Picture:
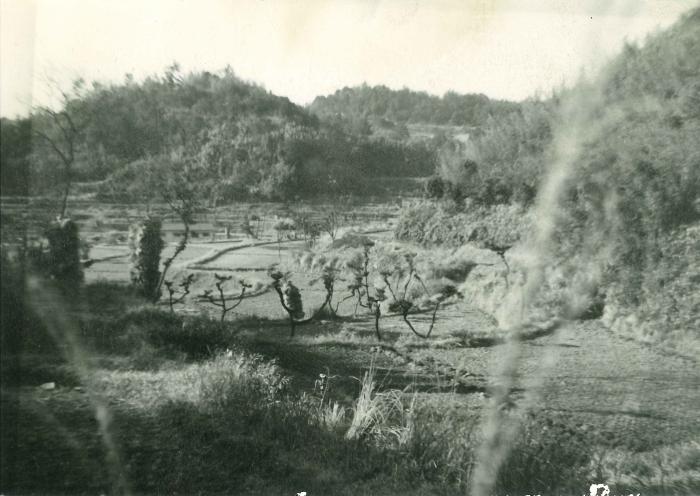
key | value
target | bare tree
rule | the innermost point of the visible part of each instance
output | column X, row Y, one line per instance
column 172, row 291
column 331, row 224
column 221, row 300
column 61, row 131
column 177, row 184
column 360, row 287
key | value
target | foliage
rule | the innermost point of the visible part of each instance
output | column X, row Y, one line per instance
column 309, row 228
column 633, row 199
column 662, row 306
column 328, row 269
column 624, row 224
column 398, row 272
column 289, row 297
column 15, row 150
column 240, row 382
column 434, row 188
column 358, row 267
column 386, row 106
column 64, row 252
column 250, row 143
column 170, row 334
column 146, row 244
column 428, row 223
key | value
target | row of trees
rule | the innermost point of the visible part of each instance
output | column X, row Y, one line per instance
column 397, row 284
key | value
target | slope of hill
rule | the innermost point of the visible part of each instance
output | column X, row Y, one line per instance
column 620, row 156
column 243, row 141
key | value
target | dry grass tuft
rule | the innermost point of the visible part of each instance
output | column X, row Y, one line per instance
column 381, row 415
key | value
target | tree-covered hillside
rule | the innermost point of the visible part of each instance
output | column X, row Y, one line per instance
column 379, row 103
column 243, row 141
column 614, row 165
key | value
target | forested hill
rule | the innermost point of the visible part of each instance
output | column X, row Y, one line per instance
column 243, row 141
column 627, row 223
column 406, row 106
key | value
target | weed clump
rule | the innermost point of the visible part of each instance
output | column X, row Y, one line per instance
column 381, row 415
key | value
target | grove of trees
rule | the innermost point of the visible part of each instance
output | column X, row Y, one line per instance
column 247, row 142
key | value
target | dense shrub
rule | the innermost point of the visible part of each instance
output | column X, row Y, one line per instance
column 663, row 306
column 240, row 383
column 167, row 334
column 64, row 252
column 434, row 188
column 431, row 224
column 146, row 245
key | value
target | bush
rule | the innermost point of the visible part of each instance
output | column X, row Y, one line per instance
column 175, row 336
column 240, row 382
column 434, row 188
column 146, row 246
column 64, row 252
column 430, row 224
column 662, row 306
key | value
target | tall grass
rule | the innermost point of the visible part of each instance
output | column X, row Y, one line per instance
column 381, row 415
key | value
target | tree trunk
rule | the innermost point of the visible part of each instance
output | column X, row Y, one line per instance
column 377, row 313
column 64, row 202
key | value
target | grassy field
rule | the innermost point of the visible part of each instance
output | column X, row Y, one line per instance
column 108, row 394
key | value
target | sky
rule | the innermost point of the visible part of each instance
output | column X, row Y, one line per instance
column 510, row 49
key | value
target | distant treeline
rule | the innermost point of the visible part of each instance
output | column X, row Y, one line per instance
column 245, row 141
column 407, row 106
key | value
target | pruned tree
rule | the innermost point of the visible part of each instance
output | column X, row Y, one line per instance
column 403, row 305
column 184, row 289
column 359, row 287
column 500, row 250
column 398, row 273
column 289, row 296
column 329, row 271
column 220, row 299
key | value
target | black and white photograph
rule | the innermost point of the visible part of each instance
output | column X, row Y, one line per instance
column 350, row 247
